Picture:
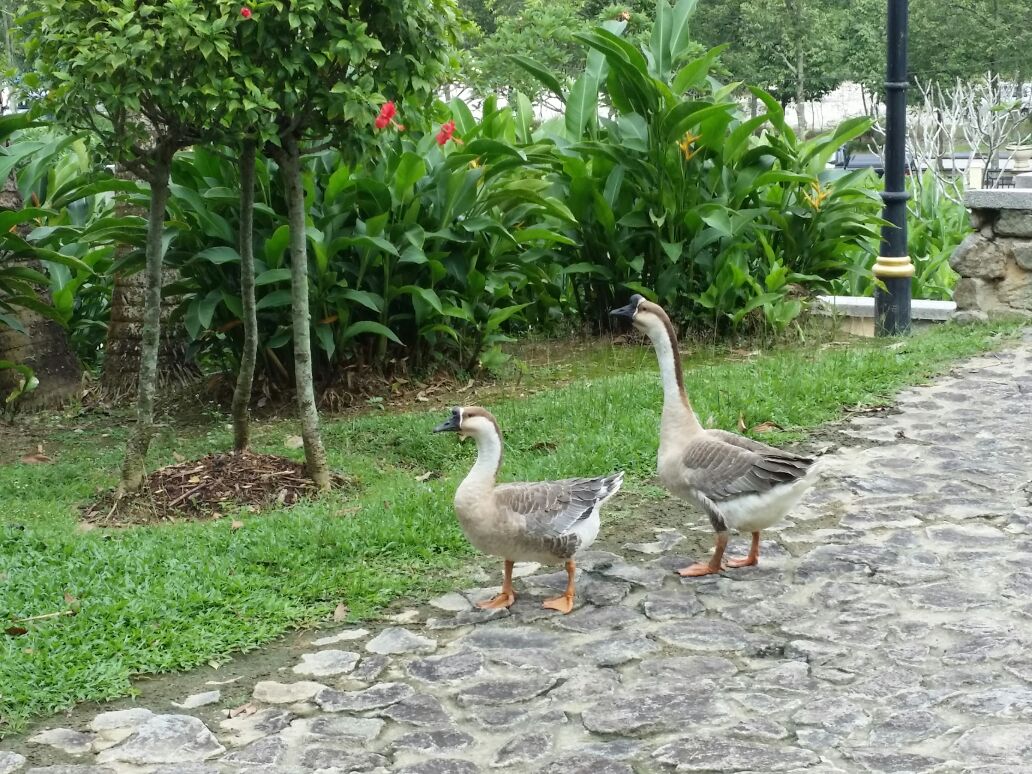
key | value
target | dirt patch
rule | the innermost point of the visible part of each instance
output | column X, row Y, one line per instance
column 200, row 489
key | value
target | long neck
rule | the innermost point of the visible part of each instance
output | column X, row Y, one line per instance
column 676, row 408
column 489, row 457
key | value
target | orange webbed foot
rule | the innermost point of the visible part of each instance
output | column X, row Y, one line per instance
column 698, row 569
column 503, row 600
column 563, row 604
column 746, row 561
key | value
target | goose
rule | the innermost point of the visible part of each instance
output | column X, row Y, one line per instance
column 549, row 522
column 737, row 482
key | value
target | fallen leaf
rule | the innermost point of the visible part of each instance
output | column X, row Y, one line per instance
column 225, row 682
column 421, row 397
column 766, row 427
column 468, row 385
column 178, row 457
column 281, row 498
column 237, row 524
column 294, row 442
column 194, row 480
column 425, row 476
column 16, row 631
column 36, row 458
column 243, row 709
column 741, row 423
column 340, row 612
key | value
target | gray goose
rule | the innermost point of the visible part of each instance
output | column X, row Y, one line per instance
column 549, row 522
column 737, row 482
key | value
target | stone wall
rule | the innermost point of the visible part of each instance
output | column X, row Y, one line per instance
column 995, row 262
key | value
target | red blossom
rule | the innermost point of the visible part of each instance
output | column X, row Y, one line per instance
column 245, row 12
column 386, row 117
column 388, row 110
column 447, row 130
column 381, row 122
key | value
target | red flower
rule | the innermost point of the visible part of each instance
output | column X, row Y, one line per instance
column 386, row 117
column 388, row 110
column 381, row 122
column 245, row 12
column 447, row 130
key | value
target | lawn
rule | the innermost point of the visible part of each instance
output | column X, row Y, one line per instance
column 157, row 599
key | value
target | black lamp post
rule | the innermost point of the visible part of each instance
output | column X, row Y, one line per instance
column 893, row 267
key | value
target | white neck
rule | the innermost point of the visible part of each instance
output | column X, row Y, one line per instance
column 489, row 458
column 677, row 411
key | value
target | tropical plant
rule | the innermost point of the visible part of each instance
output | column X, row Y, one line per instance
column 420, row 257
column 680, row 195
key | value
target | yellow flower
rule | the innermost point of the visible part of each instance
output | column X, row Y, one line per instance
column 686, row 144
column 819, row 195
column 475, row 163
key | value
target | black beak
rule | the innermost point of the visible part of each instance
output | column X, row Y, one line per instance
column 625, row 311
column 449, row 426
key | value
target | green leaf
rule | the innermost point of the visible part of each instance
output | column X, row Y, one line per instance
column 324, row 333
column 693, row 74
column 369, row 326
column 498, row 316
column 410, row 170
column 426, row 294
column 582, row 106
column 338, row 182
column 271, row 276
column 365, row 298
column 680, row 33
column 276, row 245
column 465, row 123
column 524, row 113
column 546, row 78
column 219, row 255
column 660, row 44
column 274, row 300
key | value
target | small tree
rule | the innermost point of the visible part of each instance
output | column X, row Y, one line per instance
column 334, row 63
column 145, row 78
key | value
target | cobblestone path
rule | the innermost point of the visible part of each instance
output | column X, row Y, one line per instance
column 888, row 629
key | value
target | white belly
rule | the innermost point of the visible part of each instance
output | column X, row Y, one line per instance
column 755, row 512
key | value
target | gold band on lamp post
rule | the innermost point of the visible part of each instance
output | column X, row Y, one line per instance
column 893, row 266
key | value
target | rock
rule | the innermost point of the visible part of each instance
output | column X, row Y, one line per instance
column 10, row 761
column 523, row 749
column 537, row 659
column 199, row 700
column 370, row 668
column 978, row 257
column 666, row 606
column 970, row 317
column 833, row 714
column 1016, row 223
column 703, row 754
column 905, row 728
column 650, row 708
column 505, row 690
column 666, row 539
column 688, row 668
column 420, row 709
column 380, row 695
column 127, row 718
column 405, row 617
column 510, row 638
column 246, row 728
column 760, row 728
column 70, row 769
column 705, row 634
column 433, row 742
column 398, row 640
column 271, row 692
column 452, row 602
column 439, row 766
column 999, row 740
column 492, row 718
column 190, row 768
column 618, row 649
column 584, row 685
column 348, row 761
column 466, row 618
column 326, row 663
column 887, row 762
column 440, row 669
column 64, row 739
column 268, row 751
column 647, row 577
column 593, row 619
column 345, row 636
column 341, row 726
column 578, row 763
column 165, row 739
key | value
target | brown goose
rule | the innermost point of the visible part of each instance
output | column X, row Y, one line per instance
column 545, row 521
column 736, row 481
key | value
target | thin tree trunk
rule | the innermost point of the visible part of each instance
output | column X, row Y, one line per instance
column 245, row 379
column 315, row 453
column 139, row 440
column 800, row 99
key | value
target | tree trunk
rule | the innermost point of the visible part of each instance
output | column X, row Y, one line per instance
column 43, row 347
column 315, row 453
column 139, row 440
column 245, row 379
column 800, row 99
column 122, row 348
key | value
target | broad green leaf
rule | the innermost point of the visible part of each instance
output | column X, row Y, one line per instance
column 369, row 326
column 274, row 300
column 365, row 298
column 271, row 276
column 546, row 78
column 219, row 255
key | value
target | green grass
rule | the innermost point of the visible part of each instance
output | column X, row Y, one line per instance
column 156, row 599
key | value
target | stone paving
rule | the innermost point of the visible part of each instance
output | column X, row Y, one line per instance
column 887, row 629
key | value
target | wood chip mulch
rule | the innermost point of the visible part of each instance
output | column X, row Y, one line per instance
column 203, row 489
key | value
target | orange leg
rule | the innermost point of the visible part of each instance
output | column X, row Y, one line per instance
column 753, row 557
column 564, row 604
column 507, row 597
column 708, row 568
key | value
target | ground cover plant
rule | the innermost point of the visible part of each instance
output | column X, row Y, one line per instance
column 154, row 599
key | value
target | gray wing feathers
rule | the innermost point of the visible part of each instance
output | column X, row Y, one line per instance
column 722, row 469
column 551, row 509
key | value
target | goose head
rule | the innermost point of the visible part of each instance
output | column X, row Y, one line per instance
column 469, row 422
column 647, row 317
